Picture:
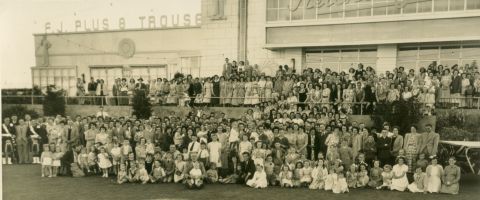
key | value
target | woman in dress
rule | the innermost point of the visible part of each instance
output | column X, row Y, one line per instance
column 411, row 146
column 239, row 92
column 261, row 89
column 445, row 82
column 399, row 180
column 207, row 91
column 223, row 90
column 228, row 91
column 254, row 92
column 393, row 94
column 451, row 177
column 434, row 173
column 172, row 98
column 268, row 90
column 465, row 84
column 215, row 91
column 325, row 96
column 131, row 88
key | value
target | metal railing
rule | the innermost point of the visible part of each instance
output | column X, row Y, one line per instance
column 446, row 103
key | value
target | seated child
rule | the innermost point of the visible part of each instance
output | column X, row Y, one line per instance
column 340, row 185
column 375, row 175
column 387, row 176
column 212, row 174
column 418, row 184
column 330, row 179
column 269, row 170
column 285, row 177
column 352, row 176
column 297, row 174
column 142, row 174
column 179, row 167
column 169, row 165
column 132, row 173
column 422, row 162
column 259, row 179
column 122, row 176
column 195, row 176
column 362, row 176
column 158, row 174
column 319, row 174
column 306, row 178
column 83, row 160
column 92, row 160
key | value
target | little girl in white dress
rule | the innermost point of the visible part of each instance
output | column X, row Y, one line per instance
column 259, row 179
column 103, row 162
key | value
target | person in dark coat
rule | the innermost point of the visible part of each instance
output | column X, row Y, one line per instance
column 313, row 145
column 322, row 137
column 248, row 167
column 384, row 148
column 216, row 91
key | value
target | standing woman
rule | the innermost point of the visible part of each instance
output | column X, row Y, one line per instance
column 302, row 95
column 215, row 91
column 411, row 146
column 451, row 177
column 207, row 91
column 248, row 91
column 465, row 84
column 434, row 174
column 255, row 92
column 90, row 135
column 393, row 94
column 229, row 91
column 81, row 90
column 123, row 92
column 172, row 98
column 235, row 101
column 261, row 89
column 445, row 83
column 325, row 96
column 268, row 90
column 131, row 88
column 456, row 88
column 223, row 90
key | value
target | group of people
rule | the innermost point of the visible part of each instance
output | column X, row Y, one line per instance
column 321, row 151
column 357, row 90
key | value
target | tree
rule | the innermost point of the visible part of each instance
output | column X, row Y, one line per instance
column 54, row 103
column 141, row 105
column 19, row 111
column 400, row 113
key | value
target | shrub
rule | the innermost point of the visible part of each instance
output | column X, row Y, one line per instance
column 142, row 108
column 19, row 111
column 401, row 113
column 54, row 103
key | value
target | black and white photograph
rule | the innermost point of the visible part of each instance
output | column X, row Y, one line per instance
column 240, row 99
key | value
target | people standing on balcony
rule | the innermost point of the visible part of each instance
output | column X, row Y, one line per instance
column 123, row 88
column 456, row 88
column 116, row 91
column 216, row 90
column 102, row 91
column 131, row 89
column 81, row 90
column 92, row 90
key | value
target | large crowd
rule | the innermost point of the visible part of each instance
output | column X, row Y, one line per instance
column 261, row 148
column 244, row 85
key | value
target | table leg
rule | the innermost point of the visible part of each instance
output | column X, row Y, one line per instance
column 468, row 160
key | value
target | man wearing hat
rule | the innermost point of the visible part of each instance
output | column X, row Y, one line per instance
column 140, row 86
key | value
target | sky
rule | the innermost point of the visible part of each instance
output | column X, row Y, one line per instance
column 20, row 19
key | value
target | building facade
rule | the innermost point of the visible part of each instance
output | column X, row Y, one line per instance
column 337, row 34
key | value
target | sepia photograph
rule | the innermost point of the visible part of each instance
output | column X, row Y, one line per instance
column 240, row 99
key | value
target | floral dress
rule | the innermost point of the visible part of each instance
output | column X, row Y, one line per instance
column 268, row 91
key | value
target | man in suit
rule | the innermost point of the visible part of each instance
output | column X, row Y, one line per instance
column 141, row 87
column 322, row 137
column 116, row 91
column 248, row 167
column 70, row 136
column 22, row 142
column 384, row 148
column 189, row 166
column 429, row 141
column 119, row 132
column 313, row 145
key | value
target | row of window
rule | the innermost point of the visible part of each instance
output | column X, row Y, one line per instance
column 411, row 57
column 66, row 77
column 291, row 10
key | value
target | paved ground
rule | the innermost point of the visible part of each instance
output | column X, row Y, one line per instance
column 24, row 182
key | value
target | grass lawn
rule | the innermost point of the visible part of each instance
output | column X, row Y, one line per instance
column 24, row 182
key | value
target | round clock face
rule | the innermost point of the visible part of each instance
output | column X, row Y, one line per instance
column 126, row 48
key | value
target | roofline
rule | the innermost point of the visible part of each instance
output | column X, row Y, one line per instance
column 119, row 30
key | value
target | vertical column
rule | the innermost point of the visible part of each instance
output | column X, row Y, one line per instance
column 386, row 57
column 242, row 29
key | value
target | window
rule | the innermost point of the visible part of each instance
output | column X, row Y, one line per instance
column 447, row 55
column 341, row 59
column 148, row 73
column 293, row 10
column 62, row 77
column 190, row 65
